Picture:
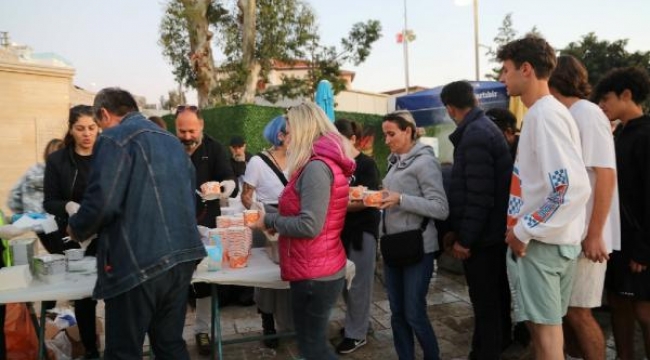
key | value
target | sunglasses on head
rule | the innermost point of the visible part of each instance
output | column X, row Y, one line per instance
column 192, row 108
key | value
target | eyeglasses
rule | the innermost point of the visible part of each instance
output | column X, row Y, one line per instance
column 192, row 108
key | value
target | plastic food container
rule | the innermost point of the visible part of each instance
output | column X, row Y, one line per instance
column 74, row 254
column 251, row 216
column 356, row 192
column 239, row 240
column 50, row 268
column 211, row 190
column 372, row 198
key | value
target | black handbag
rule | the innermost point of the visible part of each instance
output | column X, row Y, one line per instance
column 404, row 248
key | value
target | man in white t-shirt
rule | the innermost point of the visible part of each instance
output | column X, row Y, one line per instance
column 568, row 83
column 548, row 193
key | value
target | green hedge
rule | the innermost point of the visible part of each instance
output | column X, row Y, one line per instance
column 249, row 121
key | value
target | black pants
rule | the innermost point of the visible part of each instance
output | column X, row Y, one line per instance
column 485, row 271
column 155, row 307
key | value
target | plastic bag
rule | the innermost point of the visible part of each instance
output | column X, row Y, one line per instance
column 20, row 335
column 60, row 346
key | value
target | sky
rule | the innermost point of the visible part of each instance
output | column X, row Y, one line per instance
column 115, row 42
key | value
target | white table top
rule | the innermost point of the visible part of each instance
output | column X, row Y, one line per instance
column 75, row 286
column 260, row 272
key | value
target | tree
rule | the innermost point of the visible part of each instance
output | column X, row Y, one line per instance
column 186, row 41
column 326, row 61
column 173, row 99
column 250, row 64
column 251, row 37
column 505, row 35
column 262, row 32
column 600, row 56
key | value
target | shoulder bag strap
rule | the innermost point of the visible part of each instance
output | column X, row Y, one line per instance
column 275, row 169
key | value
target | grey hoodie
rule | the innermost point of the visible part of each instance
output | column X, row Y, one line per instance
column 417, row 176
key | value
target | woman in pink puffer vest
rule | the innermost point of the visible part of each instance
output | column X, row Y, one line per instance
column 312, row 257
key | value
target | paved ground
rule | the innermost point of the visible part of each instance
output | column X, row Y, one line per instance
column 448, row 308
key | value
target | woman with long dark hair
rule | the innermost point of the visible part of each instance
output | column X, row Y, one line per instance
column 360, row 241
column 66, row 178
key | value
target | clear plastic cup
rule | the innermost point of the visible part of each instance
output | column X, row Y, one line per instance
column 214, row 257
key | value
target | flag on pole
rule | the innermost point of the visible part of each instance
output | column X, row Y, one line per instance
column 408, row 36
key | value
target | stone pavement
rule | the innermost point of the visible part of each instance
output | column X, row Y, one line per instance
column 448, row 307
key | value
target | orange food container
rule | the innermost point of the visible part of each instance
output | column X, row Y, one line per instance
column 372, row 198
column 251, row 216
column 356, row 192
column 239, row 246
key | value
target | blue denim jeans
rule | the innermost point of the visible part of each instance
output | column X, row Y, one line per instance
column 157, row 308
column 407, row 289
column 312, row 302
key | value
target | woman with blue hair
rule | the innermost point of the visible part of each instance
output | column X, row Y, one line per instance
column 265, row 178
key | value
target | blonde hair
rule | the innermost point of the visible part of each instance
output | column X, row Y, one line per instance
column 308, row 122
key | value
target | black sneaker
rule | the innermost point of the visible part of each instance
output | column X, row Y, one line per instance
column 203, row 343
column 348, row 345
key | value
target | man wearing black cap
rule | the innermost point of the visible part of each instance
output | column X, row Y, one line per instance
column 240, row 156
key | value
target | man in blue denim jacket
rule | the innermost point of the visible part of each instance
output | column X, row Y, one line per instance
column 140, row 201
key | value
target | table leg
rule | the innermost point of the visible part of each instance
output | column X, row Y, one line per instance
column 216, row 324
column 40, row 329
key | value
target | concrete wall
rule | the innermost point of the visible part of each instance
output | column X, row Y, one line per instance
column 34, row 103
column 362, row 102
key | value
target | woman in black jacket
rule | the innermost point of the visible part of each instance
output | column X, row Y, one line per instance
column 359, row 238
column 66, row 178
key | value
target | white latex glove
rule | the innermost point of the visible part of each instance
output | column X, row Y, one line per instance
column 11, row 231
column 71, row 208
column 84, row 244
column 228, row 187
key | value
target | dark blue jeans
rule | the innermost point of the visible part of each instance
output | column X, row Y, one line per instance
column 407, row 289
column 156, row 307
column 312, row 302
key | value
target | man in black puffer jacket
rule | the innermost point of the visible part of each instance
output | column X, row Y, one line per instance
column 478, row 200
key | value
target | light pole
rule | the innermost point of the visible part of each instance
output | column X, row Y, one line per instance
column 405, row 44
column 476, row 44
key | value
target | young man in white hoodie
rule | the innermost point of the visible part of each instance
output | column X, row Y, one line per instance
column 548, row 193
column 569, row 84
